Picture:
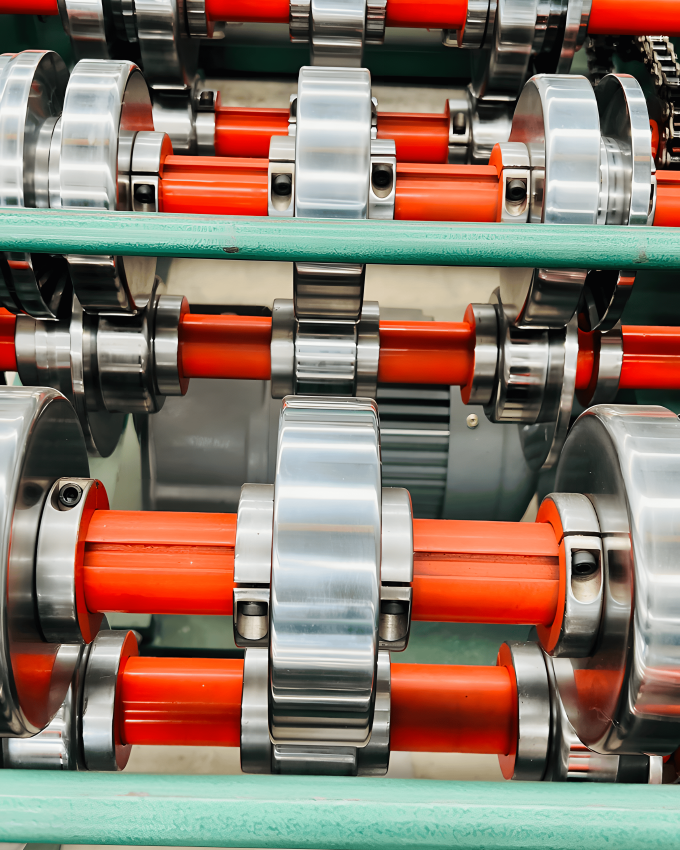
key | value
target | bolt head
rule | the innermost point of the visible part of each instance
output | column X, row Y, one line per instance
column 472, row 420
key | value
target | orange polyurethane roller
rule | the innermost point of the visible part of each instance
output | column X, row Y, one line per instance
column 607, row 17
column 155, row 562
column 434, row 708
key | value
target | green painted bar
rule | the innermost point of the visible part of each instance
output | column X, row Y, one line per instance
column 390, row 242
column 334, row 813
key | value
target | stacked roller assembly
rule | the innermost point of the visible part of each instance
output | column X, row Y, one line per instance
column 383, row 460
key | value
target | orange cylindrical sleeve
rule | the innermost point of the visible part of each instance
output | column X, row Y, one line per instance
column 8, row 355
column 418, row 137
column 446, row 192
column 242, row 131
column 439, row 708
column 214, row 185
column 248, row 11
column 432, row 14
column 634, row 17
column 226, row 346
column 425, row 353
column 435, row 708
column 485, row 572
column 155, row 562
column 181, row 701
column 651, row 358
column 35, row 7
column 667, row 199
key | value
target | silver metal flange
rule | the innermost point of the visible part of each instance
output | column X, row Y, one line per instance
column 57, row 746
column 569, row 759
column 576, row 626
column 606, row 374
column 32, row 86
column 43, row 442
column 526, row 665
column 89, row 27
column 106, row 104
column 62, row 611
column 624, row 698
column 557, row 119
column 102, row 747
column 483, row 319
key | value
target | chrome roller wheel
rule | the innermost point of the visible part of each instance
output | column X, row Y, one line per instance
column 42, row 442
column 106, row 104
column 32, row 86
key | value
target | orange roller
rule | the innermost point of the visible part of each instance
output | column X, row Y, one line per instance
column 667, row 199
column 432, row 14
column 181, row 701
column 435, row 708
column 426, row 352
column 248, row 11
column 651, row 358
column 214, row 185
column 485, row 572
column 8, row 355
column 242, row 131
column 634, row 17
column 421, row 137
column 226, row 346
column 155, row 562
column 440, row 708
column 446, row 193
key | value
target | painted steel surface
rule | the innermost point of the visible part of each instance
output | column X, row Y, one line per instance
column 384, row 242
column 331, row 812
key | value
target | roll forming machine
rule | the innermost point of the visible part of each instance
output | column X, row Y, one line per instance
column 326, row 558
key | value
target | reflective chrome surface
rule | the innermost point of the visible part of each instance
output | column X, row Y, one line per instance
column 624, row 120
column 533, row 712
column 282, row 348
column 577, row 530
column 376, row 14
column 174, row 114
column 42, row 442
column 557, row 118
column 490, row 124
column 55, row 748
column 337, row 32
column 104, row 102
column 101, row 428
column 86, row 24
column 542, row 442
column 125, row 364
column 475, row 28
column 627, row 461
column 168, row 56
column 368, row 351
column 328, row 290
column 326, row 551
column 333, row 147
column 254, row 530
column 102, row 748
column 503, row 69
column 484, row 321
column 256, row 746
column 575, row 30
column 374, row 758
column 569, row 759
column 397, row 536
column 32, row 85
column 62, row 612
column 382, row 186
column 168, row 376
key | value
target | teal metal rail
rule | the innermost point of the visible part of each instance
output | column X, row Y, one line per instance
column 334, row 814
column 390, row 242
